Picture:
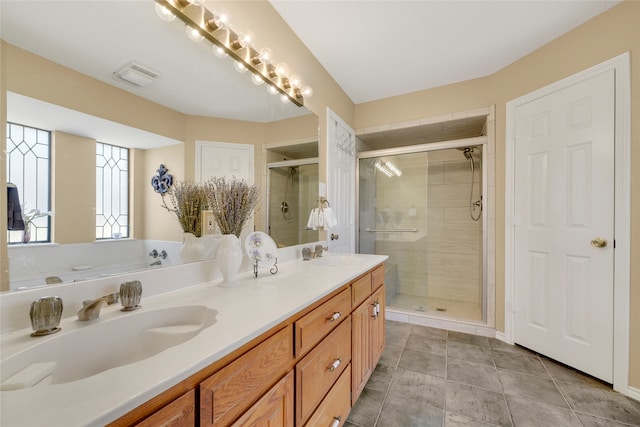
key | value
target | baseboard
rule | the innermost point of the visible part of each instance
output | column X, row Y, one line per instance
column 500, row 336
column 633, row 393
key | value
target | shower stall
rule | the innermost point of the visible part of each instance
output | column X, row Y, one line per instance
column 293, row 189
column 422, row 206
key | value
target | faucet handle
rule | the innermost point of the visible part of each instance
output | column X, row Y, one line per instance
column 45, row 314
column 130, row 294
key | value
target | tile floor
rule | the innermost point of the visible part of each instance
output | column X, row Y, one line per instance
column 432, row 377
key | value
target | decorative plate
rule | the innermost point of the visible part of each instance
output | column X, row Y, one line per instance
column 261, row 248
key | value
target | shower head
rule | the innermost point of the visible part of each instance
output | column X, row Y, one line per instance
column 467, row 151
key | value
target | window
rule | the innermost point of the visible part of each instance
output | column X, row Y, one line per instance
column 28, row 167
column 112, row 191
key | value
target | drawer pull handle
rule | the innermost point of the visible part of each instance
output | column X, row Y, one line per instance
column 335, row 316
column 334, row 365
column 376, row 309
column 336, row 421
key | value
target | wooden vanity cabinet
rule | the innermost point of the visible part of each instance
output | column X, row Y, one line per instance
column 306, row 372
column 368, row 334
column 229, row 392
column 320, row 369
column 274, row 409
column 179, row 413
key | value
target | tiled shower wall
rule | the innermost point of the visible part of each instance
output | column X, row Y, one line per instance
column 454, row 248
column 444, row 258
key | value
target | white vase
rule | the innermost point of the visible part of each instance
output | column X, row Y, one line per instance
column 229, row 258
column 193, row 248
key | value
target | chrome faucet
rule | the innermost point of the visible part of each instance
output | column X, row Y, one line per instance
column 91, row 309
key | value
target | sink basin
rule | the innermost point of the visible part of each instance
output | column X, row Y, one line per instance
column 102, row 345
column 334, row 260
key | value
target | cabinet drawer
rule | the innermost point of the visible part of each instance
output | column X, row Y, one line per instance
column 314, row 326
column 319, row 370
column 336, row 406
column 360, row 290
column 230, row 391
column 377, row 277
column 179, row 413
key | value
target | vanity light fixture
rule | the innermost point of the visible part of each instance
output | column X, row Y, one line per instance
column 203, row 23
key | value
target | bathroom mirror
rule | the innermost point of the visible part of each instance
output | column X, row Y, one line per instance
column 28, row 24
column 292, row 191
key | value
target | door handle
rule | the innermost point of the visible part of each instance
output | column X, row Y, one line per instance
column 599, row 242
column 334, row 236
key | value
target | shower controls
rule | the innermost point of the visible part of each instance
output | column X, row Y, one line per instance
column 599, row 242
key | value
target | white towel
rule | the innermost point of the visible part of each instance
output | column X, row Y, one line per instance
column 321, row 218
column 312, row 224
column 329, row 218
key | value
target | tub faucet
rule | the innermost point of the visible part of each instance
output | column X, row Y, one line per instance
column 91, row 309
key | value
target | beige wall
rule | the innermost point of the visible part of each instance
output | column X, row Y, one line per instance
column 73, row 188
column 608, row 35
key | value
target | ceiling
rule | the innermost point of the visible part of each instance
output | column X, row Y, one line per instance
column 377, row 49
column 373, row 49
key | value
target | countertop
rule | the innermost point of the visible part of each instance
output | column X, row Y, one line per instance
column 245, row 311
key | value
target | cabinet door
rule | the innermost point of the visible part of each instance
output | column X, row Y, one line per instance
column 377, row 325
column 229, row 392
column 274, row 409
column 179, row 413
column 361, row 361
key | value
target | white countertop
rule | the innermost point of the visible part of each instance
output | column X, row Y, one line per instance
column 245, row 311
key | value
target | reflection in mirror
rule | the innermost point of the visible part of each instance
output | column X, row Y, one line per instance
column 293, row 190
column 36, row 75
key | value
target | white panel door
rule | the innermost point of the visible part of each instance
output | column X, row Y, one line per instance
column 564, row 199
column 216, row 159
column 341, row 193
column 224, row 159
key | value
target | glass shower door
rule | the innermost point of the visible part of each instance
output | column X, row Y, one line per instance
column 393, row 216
column 423, row 210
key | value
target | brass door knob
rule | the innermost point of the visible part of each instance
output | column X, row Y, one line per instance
column 599, row 242
column 334, row 236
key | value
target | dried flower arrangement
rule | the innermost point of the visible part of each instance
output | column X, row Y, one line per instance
column 232, row 202
column 187, row 199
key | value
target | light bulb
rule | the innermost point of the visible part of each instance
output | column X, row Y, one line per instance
column 266, row 55
column 284, row 99
column 282, row 70
column 273, row 90
column 193, row 33
column 221, row 18
column 247, row 38
column 295, row 81
column 256, row 79
column 164, row 13
column 219, row 52
column 306, row 91
column 240, row 67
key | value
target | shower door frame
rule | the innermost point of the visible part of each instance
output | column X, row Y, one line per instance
column 438, row 146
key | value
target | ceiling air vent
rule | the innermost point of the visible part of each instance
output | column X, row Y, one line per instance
column 136, row 74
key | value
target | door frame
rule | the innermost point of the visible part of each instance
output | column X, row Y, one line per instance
column 622, row 206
